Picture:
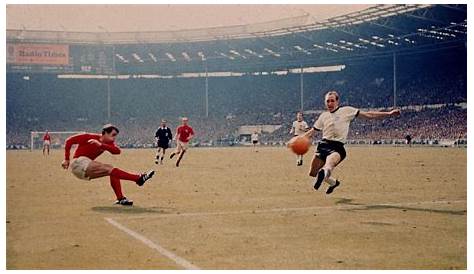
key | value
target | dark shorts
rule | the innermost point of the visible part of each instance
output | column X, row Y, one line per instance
column 255, row 142
column 327, row 147
column 163, row 145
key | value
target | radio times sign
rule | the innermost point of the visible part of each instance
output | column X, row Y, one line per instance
column 42, row 54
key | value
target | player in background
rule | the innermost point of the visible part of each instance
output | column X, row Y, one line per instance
column 334, row 124
column 408, row 139
column 162, row 136
column 254, row 139
column 85, row 167
column 299, row 128
column 46, row 142
column 184, row 134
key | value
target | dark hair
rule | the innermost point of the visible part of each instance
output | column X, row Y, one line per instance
column 109, row 128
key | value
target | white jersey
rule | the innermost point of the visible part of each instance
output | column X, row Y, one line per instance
column 299, row 128
column 254, row 137
column 335, row 125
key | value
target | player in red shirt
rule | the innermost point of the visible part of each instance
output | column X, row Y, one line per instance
column 46, row 142
column 184, row 134
column 84, row 166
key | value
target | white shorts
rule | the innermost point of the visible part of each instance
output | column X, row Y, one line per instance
column 182, row 145
column 79, row 166
column 46, row 143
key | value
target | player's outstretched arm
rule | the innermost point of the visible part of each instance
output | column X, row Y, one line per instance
column 112, row 148
column 310, row 133
column 378, row 114
column 76, row 139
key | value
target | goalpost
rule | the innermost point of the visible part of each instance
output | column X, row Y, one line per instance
column 58, row 138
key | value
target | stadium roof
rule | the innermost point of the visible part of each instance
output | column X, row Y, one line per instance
column 159, row 18
column 274, row 27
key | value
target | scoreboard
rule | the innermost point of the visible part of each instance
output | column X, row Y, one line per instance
column 59, row 58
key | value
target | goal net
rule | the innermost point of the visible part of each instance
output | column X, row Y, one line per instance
column 58, row 138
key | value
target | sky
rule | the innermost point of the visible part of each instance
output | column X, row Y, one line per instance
column 133, row 18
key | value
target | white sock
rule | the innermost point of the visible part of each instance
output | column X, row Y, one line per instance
column 331, row 181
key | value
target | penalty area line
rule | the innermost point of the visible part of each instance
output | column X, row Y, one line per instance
column 170, row 255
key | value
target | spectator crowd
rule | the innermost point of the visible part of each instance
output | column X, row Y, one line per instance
column 44, row 101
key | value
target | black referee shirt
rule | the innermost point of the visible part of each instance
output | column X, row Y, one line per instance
column 164, row 134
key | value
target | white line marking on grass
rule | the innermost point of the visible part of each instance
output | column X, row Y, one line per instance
column 282, row 210
column 178, row 260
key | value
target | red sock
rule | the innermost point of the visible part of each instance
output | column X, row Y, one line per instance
column 115, row 183
column 124, row 175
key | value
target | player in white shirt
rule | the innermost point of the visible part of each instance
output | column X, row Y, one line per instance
column 334, row 124
column 298, row 128
column 254, row 138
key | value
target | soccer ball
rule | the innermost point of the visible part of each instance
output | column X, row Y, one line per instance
column 299, row 144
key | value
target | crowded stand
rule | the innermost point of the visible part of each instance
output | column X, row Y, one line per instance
column 38, row 102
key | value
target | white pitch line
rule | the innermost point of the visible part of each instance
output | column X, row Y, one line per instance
column 279, row 210
column 178, row 260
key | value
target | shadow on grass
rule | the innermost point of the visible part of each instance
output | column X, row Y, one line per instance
column 345, row 201
column 406, row 208
column 131, row 209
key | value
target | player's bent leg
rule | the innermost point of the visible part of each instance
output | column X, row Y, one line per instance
column 177, row 151
column 97, row 169
column 157, row 157
column 316, row 165
column 139, row 179
column 116, row 186
column 331, row 162
column 324, row 173
column 163, row 155
column 180, row 157
column 121, row 174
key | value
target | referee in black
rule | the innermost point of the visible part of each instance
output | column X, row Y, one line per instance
column 163, row 136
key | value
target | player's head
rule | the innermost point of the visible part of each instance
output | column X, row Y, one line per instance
column 299, row 116
column 109, row 132
column 331, row 100
column 163, row 122
column 185, row 120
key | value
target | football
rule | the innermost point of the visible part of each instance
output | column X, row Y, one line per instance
column 299, row 144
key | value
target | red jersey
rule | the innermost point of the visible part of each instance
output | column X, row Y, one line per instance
column 46, row 137
column 184, row 132
column 91, row 151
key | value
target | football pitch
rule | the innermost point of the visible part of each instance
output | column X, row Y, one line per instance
column 234, row 208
